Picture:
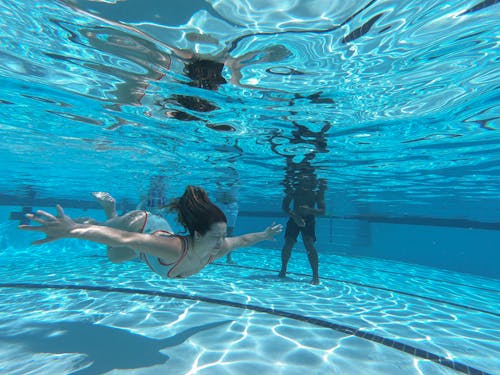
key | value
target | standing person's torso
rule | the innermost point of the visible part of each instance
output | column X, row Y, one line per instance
column 304, row 198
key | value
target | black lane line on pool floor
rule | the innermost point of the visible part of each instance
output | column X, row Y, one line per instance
column 465, row 307
column 418, row 296
column 314, row 321
column 408, row 275
column 373, row 286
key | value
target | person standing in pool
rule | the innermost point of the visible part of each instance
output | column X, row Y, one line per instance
column 155, row 200
column 308, row 197
column 171, row 256
column 226, row 197
column 306, row 192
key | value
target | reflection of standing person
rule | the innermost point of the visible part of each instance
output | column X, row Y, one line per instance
column 308, row 197
column 226, row 198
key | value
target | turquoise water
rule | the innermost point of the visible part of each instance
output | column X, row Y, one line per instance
column 95, row 97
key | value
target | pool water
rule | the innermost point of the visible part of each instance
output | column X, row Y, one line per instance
column 75, row 312
column 389, row 106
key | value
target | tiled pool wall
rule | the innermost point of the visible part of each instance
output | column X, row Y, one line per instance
column 450, row 245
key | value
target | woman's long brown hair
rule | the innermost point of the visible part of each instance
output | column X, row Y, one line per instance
column 195, row 211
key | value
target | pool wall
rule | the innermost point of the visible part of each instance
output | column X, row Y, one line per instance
column 467, row 250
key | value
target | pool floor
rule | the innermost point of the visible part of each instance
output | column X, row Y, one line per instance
column 63, row 313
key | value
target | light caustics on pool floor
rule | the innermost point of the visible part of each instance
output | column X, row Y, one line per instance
column 233, row 318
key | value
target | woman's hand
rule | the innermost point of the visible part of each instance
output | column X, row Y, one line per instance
column 251, row 239
column 273, row 230
column 53, row 227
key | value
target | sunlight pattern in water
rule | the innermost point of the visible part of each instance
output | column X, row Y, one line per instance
column 392, row 105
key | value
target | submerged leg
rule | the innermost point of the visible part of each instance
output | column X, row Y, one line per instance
column 229, row 259
column 107, row 203
column 285, row 255
column 312, row 255
column 133, row 221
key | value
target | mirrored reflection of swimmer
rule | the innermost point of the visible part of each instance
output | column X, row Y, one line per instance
column 130, row 236
column 206, row 72
column 306, row 192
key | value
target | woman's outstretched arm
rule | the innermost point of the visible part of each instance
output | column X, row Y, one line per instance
column 250, row 239
column 62, row 226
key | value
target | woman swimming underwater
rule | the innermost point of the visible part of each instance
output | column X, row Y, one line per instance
column 132, row 235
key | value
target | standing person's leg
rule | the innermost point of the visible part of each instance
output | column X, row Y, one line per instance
column 291, row 233
column 309, row 237
column 231, row 212
column 312, row 255
column 230, row 231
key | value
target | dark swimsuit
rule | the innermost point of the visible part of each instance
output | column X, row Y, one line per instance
column 292, row 229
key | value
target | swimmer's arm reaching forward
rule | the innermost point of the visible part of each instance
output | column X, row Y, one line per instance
column 249, row 239
column 62, row 226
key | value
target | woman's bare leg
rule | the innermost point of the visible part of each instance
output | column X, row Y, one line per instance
column 132, row 221
column 107, row 203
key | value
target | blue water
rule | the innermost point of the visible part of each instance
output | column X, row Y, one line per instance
column 93, row 98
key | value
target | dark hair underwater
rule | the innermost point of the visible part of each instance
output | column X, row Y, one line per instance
column 195, row 211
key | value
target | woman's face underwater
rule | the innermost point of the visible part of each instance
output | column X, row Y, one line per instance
column 214, row 238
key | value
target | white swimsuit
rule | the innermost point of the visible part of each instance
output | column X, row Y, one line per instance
column 158, row 226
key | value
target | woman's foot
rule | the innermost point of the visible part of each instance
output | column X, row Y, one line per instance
column 107, row 203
